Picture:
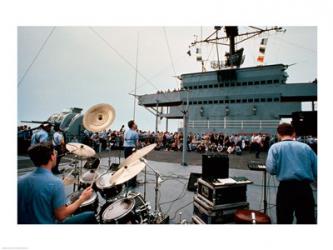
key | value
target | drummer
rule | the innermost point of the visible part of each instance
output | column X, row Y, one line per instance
column 131, row 139
column 41, row 195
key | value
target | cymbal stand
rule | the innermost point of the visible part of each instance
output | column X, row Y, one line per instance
column 157, row 213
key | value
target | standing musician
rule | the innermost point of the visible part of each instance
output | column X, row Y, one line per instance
column 295, row 166
column 59, row 145
column 43, row 134
column 41, row 195
column 131, row 139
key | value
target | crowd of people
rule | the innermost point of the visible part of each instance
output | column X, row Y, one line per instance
column 173, row 141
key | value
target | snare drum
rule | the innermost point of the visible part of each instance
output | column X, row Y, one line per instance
column 130, row 210
column 89, row 205
column 105, row 188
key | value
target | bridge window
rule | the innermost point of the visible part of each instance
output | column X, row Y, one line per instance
column 226, row 84
column 205, row 86
column 250, row 100
column 262, row 100
column 232, row 84
column 210, row 102
column 221, row 85
column 226, row 101
column 216, row 101
column 244, row 83
column 244, row 100
column 256, row 100
column 276, row 99
column 269, row 99
column 199, row 102
column 216, row 85
column 276, row 81
column 204, row 102
column 190, row 87
column 195, row 87
column 232, row 101
column 250, row 83
column 194, row 102
column 256, row 83
column 238, row 84
column 269, row 81
column 221, row 101
column 263, row 82
column 238, row 100
column 210, row 86
column 190, row 103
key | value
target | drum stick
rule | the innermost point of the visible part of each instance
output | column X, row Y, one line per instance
column 94, row 179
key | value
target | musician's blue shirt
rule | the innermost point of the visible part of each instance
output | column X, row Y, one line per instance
column 131, row 138
column 292, row 160
column 39, row 194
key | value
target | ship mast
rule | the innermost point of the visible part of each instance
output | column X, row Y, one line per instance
column 234, row 58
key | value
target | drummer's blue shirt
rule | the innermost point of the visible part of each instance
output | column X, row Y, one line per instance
column 292, row 160
column 39, row 194
column 130, row 138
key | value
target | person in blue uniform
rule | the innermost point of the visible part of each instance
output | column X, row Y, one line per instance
column 41, row 197
column 295, row 166
column 43, row 134
column 58, row 142
column 131, row 138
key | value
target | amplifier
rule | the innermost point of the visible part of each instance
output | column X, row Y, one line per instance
column 221, row 194
column 215, row 166
column 216, row 214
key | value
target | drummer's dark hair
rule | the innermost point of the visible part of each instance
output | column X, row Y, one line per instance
column 285, row 129
column 130, row 123
column 40, row 153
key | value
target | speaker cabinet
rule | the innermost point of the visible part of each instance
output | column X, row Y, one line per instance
column 215, row 166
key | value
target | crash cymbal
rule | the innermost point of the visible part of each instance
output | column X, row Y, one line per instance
column 99, row 117
column 80, row 149
column 127, row 172
column 137, row 155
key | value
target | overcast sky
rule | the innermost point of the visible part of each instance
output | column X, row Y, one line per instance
column 76, row 68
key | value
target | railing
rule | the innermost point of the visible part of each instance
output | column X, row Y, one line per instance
column 240, row 124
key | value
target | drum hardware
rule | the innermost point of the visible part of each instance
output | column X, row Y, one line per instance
column 157, row 214
column 105, row 188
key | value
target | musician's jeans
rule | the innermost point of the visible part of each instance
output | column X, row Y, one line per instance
column 81, row 218
column 295, row 198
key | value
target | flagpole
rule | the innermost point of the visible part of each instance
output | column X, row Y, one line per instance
column 136, row 75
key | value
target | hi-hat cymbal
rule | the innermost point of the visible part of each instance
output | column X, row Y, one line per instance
column 137, row 155
column 99, row 117
column 80, row 149
column 127, row 172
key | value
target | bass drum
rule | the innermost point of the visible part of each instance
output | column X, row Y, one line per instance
column 89, row 205
column 130, row 210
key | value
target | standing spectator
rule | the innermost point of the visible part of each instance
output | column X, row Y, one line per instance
column 131, row 138
column 43, row 134
column 59, row 145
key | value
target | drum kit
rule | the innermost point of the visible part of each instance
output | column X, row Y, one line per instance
column 121, row 206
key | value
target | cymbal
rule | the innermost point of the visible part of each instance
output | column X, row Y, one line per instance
column 70, row 181
column 137, row 155
column 80, row 149
column 99, row 117
column 127, row 172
